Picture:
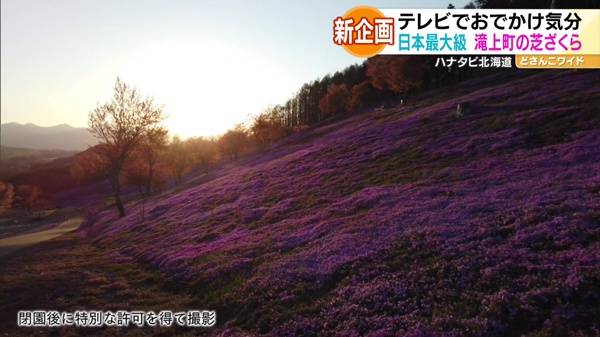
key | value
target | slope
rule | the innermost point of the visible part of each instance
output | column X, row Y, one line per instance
column 408, row 220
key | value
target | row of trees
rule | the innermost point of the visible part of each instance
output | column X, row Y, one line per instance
column 27, row 196
column 135, row 148
column 305, row 107
column 385, row 77
column 379, row 78
column 356, row 87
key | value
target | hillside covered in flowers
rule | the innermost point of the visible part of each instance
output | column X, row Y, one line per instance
column 402, row 221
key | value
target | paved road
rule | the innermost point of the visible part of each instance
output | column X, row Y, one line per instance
column 14, row 243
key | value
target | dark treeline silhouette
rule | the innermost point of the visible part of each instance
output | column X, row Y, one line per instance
column 135, row 151
column 357, row 86
column 304, row 107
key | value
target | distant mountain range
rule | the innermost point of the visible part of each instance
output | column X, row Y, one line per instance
column 59, row 137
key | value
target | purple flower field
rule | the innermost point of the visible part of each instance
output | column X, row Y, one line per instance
column 407, row 221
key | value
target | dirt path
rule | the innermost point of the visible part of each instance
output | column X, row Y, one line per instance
column 14, row 243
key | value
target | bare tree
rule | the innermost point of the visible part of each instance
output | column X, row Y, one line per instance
column 121, row 125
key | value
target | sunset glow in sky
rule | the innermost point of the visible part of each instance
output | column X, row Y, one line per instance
column 210, row 63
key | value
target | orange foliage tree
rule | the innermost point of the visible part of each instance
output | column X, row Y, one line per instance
column 336, row 100
column 400, row 74
column 234, row 142
column 203, row 152
column 267, row 127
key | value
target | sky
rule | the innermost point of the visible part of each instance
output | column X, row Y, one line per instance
column 211, row 64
